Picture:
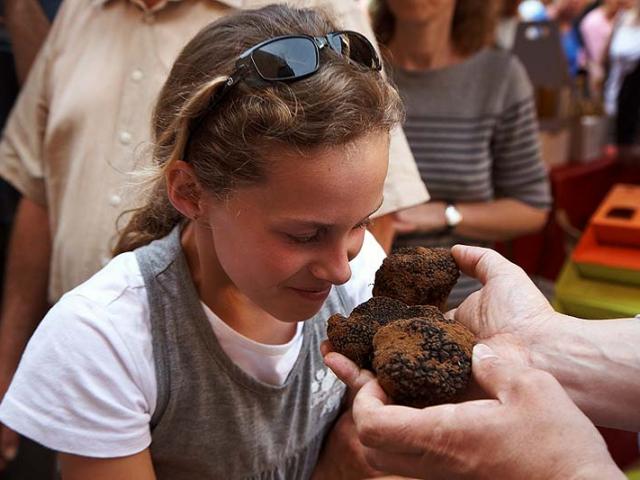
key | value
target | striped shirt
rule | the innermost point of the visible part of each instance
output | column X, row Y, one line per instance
column 473, row 131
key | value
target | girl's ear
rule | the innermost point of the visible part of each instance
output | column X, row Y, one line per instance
column 183, row 189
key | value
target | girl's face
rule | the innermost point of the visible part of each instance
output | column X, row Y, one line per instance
column 282, row 244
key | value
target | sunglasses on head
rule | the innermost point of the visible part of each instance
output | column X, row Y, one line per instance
column 294, row 57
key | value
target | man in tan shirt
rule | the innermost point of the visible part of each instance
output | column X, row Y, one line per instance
column 82, row 124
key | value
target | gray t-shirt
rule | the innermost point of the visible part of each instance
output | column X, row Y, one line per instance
column 473, row 131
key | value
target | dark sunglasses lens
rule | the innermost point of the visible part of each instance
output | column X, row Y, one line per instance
column 355, row 47
column 286, row 58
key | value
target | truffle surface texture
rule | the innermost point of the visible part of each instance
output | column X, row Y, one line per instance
column 418, row 276
column 423, row 361
column 353, row 336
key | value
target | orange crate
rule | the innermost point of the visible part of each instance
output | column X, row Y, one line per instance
column 617, row 220
column 611, row 263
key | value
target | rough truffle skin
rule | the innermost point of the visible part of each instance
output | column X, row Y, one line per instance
column 418, row 276
column 353, row 336
column 423, row 361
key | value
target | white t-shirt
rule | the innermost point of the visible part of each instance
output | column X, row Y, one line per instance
column 86, row 383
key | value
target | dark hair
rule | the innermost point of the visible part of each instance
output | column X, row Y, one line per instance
column 473, row 25
column 336, row 105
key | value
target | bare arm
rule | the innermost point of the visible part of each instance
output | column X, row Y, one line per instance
column 598, row 363
column 500, row 219
column 25, row 288
column 133, row 467
column 28, row 27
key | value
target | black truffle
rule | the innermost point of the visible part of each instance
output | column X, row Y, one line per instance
column 353, row 336
column 418, row 276
column 423, row 361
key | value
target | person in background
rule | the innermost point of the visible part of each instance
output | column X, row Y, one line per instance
column 25, row 24
column 471, row 125
column 596, row 28
column 81, row 125
column 547, row 379
column 28, row 23
column 565, row 13
column 507, row 24
column 194, row 353
column 624, row 57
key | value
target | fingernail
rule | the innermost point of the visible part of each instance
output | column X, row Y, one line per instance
column 10, row 453
column 482, row 351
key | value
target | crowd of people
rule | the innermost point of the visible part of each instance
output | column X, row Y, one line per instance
column 198, row 187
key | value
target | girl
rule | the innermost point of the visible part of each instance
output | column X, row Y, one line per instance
column 194, row 353
column 471, row 125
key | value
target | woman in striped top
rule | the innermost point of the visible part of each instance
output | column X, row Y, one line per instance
column 471, row 124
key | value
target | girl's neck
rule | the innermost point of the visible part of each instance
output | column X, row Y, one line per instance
column 425, row 45
column 223, row 298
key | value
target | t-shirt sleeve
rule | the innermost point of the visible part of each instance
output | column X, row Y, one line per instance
column 518, row 171
column 21, row 148
column 79, row 387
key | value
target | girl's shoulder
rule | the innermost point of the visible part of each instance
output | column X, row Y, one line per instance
column 86, row 382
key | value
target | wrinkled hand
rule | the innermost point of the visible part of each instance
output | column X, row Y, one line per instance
column 529, row 428
column 426, row 217
column 509, row 313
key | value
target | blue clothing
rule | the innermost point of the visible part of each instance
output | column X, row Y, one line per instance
column 572, row 47
column 50, row 8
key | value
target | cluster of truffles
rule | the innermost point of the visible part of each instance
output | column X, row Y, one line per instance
column 420, row 357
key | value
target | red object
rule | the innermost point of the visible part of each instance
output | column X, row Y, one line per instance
column 617, row 220
column 577, row 191
column 622, row 445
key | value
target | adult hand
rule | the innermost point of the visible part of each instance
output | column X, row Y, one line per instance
column 426, row 217
column 529, row 428
column 509, row 313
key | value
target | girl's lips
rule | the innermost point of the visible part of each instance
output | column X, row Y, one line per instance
column 315, row 295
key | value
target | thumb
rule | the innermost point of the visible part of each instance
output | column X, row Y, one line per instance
column 493, row 373
column 347, row 371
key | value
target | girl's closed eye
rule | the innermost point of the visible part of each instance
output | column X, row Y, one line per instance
column 306, row 238
column 317, row 235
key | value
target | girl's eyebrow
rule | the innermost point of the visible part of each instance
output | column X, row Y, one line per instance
column 312, row 224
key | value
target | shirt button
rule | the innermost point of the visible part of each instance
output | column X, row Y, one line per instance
column 125, row 138
column 115, row 200
column 137, row 75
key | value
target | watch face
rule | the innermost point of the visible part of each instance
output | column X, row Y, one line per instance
column 452, row 215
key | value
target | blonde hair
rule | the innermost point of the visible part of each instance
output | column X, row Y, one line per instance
column 336, row 105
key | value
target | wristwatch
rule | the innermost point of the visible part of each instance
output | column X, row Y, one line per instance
column 452, row 216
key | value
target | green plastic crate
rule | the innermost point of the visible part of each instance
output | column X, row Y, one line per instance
column 587, row 298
